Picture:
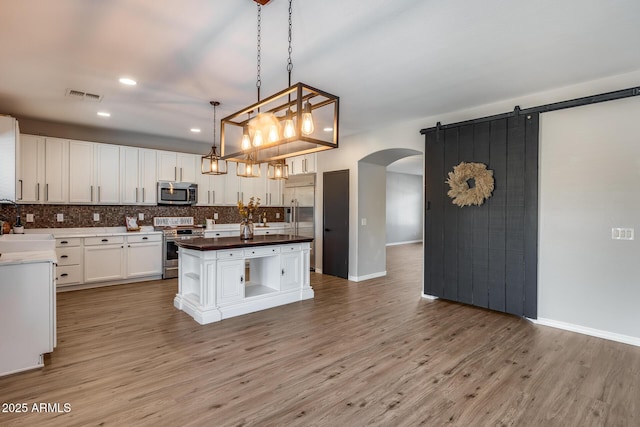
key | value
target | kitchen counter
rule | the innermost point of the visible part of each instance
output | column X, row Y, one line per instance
column 214, row 244
column 90, row 231
column 225, row 277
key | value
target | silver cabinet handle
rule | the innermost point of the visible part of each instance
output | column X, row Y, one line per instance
column 99, row 198
column 175, row 173
column 92, row 193
column 180, row 174
column 46, row 192
column 214, row 196
column 143, row 196
column 38, row 191
column 20, row 181
column 266, row 198
column 237, row 196
column 208, row 197
column 137, row 194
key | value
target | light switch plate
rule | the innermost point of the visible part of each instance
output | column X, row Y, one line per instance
column 215, row 215
column 96, row 217
column 141, row 216
column 60, row 217
column 29, row 217
column 363, row 221
column 619, row 233
column 277, row 215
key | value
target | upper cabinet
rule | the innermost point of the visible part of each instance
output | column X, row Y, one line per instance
column 302, row 164
column 107, row 173
column 30, row 169
column 177, row 166
column 138, row 176
column 56, row 170
column 94, row 173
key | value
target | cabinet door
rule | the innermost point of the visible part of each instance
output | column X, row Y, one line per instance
column 107, row 176
column 147, row 179
column 56, row 170
column 273, row 192
column 103, row 263
column 309, row 163
column 167, row 167
column 253, row 187
column 291, row 266
column 81, row 172
column 187, row 167
column 144, row 259
column 204, row 190
column 230, row 279
column 129, row 173
column 30, row 170
column 232, row 185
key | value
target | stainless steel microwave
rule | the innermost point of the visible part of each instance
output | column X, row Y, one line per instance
column 177, row 193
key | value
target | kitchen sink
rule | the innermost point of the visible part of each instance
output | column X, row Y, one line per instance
column 26, row 242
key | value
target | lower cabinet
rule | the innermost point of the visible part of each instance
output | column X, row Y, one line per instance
column 108, row 258
column 104, row 259
column 231, row 277
column 291, row 268
column 143, row 256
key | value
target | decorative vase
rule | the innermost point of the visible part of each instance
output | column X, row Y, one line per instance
column 246, row 229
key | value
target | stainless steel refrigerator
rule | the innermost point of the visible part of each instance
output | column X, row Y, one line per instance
column 299, row 199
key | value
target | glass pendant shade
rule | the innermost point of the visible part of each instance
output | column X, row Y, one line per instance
column 248, row 168
column 257, row 138
column 273, row 134
column 246, row 140
column 307, row 119
column 278, row 170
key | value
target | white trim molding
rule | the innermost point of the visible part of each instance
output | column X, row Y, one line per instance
column 368, row 276
column 626, row 339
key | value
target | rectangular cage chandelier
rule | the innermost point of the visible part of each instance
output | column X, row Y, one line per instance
column 298, row 120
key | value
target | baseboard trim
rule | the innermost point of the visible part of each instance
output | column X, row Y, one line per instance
column 431, row 297
column 598, row 333
column 404, row 243
column 368, row 276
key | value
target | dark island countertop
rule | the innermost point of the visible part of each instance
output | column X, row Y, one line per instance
column 217, row 243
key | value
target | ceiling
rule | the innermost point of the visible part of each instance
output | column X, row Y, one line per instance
column 387, row 60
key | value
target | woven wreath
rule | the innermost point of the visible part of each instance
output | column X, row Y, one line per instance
column 458, row 180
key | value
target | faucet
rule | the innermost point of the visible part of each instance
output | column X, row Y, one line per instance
column 18, row 223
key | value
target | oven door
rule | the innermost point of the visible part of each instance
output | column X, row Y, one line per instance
column 170, row 258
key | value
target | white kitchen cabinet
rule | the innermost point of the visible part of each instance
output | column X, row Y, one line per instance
column 253, row 187
column 232, row 191
column 107, row 173
column 104, row 259
column 143, row 255
column 56, row 170
column 81, row 172
column 137, row 176
column 273, row 191
column 230, row 278
column 174, row 166
column 70, row 254
column 291, row 264
column 30, row 175
column 302, row 164
column 211, row 189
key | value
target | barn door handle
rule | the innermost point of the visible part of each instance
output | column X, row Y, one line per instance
column 327, row 229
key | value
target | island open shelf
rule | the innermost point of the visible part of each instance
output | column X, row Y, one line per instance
column 226, row 277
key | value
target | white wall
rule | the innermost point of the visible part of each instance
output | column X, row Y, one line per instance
column 589, row 183
column 404, row 207
column 406, row 135
column 371, row 224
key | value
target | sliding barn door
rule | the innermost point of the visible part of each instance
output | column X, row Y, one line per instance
column 484, row 255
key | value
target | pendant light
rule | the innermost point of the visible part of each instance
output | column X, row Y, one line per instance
column 212, row 163
column 286, row 121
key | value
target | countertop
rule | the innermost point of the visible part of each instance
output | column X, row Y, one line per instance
column 27, row 257
column 214, row 244
column 90, row 231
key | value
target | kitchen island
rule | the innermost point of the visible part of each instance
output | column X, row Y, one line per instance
column 226, row 277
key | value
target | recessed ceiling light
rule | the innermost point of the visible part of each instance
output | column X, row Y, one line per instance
column 195, row 130
column 328, row 129
column 104, row 114
column 127, row 81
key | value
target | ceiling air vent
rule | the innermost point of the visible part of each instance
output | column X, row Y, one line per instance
column 80, row 95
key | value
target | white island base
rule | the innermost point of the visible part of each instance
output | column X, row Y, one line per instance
column 218, row 284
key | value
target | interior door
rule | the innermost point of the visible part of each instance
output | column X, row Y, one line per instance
column 335, row 223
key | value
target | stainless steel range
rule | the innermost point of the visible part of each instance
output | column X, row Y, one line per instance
column 171, row 233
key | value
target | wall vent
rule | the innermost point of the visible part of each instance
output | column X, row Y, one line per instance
column 80, row 95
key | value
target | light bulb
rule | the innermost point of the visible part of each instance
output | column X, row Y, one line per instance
column 307, row 119
column 214, row 166
column 257, row 138
column 278, row 170
column 273, row 133
column 249, row 169
column 246, row 141
column 289, row 127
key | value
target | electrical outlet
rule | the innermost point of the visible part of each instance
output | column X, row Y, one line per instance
column 215, row 215
column 277, row 215
column 29, row 217
column 96, row 217
column 141, row 216
column 363, row 221
column 60, row 217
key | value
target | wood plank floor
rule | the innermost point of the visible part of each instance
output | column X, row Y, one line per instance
column 368, row 353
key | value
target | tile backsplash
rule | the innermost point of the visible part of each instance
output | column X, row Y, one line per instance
column 45, row 216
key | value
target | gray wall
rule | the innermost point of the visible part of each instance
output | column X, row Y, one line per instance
column 372, row 206
column 404, row 208
column 589, row 177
